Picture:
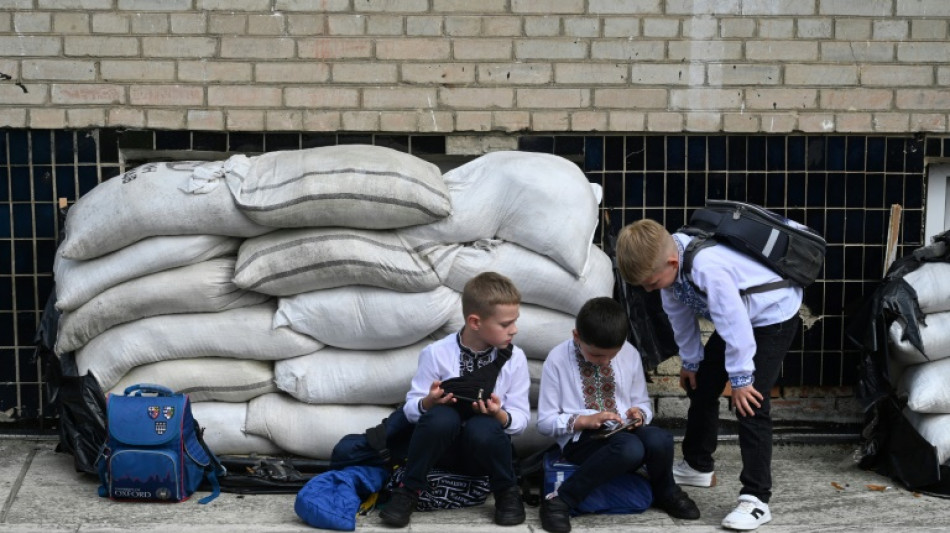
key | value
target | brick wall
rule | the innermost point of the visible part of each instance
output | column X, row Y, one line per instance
column 773, row 66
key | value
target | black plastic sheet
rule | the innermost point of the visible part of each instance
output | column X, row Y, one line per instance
column 890, row 443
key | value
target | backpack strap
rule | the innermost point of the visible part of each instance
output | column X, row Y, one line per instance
column 702, row 240
column 213, row 469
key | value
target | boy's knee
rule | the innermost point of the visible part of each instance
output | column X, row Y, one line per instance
column 628, row 452
column 440, row 419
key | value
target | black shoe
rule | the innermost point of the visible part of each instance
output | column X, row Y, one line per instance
column 397, row 511
column 555, row 515
column 679, row 505
column 509, row 508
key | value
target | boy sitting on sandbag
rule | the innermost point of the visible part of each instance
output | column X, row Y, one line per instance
column 468, row 397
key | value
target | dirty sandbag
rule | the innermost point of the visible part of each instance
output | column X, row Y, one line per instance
column 77, row 401
column 649, row 327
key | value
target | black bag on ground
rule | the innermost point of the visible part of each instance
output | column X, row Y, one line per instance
column 382, row 445
column 794, row 251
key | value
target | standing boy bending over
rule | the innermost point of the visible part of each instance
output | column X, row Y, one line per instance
column 591, row 379
column 469, row 437
column 753, row 333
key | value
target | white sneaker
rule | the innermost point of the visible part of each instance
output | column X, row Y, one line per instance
column 748, row 515
column 684, row 474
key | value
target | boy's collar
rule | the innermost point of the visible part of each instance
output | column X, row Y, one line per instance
column 471, row 351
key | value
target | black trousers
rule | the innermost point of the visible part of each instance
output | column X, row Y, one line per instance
column 477, row 446
column 600, row 460
column 755, row 432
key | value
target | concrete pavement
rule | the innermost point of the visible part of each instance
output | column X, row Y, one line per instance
column 41, row 492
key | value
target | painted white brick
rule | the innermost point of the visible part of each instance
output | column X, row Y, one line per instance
column 815, row 28
column 550, row 49
column 933, row 30
column 590, row 73
column 626, row 7
column 778, row 7
column 628, row 50
column 515, row 73
column 703, row 7
column 890, row 30
column 542, row 26
column 923, row 52
column 438, row 73
column 867, row 52
column 656, row 27
column 58, row 69
column 864, row 8
column 621, row 27
column 575, row 7
column 662, row 74
column 32, row 22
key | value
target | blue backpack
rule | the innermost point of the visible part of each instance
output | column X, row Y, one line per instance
column 154, row 451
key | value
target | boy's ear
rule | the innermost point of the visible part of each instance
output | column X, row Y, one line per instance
column 473, row 322
column 577, row 338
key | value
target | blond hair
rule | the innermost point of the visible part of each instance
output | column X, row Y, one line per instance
column 642, row 248
column 483, row 292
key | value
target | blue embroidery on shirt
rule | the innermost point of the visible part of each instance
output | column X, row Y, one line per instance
column 687, row 293
column 741, row 381
column 690, row 367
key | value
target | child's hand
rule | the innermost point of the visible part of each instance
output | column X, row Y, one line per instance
column 490, row 406
column 437, row 396
column 687, row 380
column 634, row 413
column 596, row 420
column 744, row 398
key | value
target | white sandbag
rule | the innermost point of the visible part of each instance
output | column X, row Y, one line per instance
column 926, row 387
column 930, row 282
column 337, row 376
column 148, row 201
column 541, row 329
column 206, row 379
column 935, row 429
column 204, row 287
column 224, row 433
column 356, row 186
column 244, row 333
column 540, row 280
column 367, row 318
column 534, row 369
column 77, row 282
column 530, row 441
column 294, row 261
column 542, row 202
column 309, row 430
column 935, row 336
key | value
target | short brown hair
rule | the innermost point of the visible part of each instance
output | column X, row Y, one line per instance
column 641, row 249
column 483, row 292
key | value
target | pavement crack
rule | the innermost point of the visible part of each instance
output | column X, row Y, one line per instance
column 15, row 489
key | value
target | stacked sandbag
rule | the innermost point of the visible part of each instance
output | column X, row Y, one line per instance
column 924, row 375
column 144, row 281
column 150, row 200
column 342, row 276
column 320, row 277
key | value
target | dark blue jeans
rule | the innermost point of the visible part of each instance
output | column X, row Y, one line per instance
column 477, row 446
column 755, row 432
column 600, row 460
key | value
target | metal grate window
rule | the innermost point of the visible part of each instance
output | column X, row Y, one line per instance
column 841, row 185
